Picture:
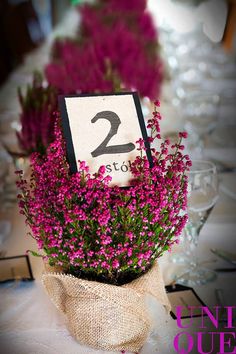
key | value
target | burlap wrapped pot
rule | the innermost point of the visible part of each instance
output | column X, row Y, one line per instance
column 106, row 316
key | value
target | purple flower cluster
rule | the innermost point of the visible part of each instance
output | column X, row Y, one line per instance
column 36, row 117
column 116, row 49
column 84, row 225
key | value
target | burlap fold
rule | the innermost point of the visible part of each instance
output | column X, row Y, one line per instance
column 106, row 316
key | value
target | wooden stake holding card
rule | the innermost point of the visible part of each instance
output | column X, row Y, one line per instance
column 102, row 130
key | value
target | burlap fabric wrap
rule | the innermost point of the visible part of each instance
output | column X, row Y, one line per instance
column 105, row 316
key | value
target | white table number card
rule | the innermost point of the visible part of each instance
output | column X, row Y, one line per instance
column 102, row 130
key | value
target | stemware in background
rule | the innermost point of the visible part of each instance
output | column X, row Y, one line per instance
column 204, row 110
column 20, row 159
column 225, row 131
column 7, row 184
column 202, row 196
column 200, row 113
column 5, row 229
column 4, row 170
column 5, row 225
column 201, row 71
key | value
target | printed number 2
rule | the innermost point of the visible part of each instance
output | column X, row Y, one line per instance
column 103, row 149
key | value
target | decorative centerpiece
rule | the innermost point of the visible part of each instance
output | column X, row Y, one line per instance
column 102, row 242
column 36, row 121
column 116, row 49
column 36, row 117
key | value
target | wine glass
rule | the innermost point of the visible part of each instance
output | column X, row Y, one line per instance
column 202, row 196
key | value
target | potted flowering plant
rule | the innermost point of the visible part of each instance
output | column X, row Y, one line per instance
column 36, row 117
column 109, row 32
column 104, row 241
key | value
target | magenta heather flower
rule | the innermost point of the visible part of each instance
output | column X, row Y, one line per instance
column 183, row 135
column 126, row 6
column 36, row 117
column 116, row 49
column 100, row 232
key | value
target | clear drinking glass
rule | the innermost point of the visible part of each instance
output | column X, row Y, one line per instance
column 200, row 111
column 202, row 196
